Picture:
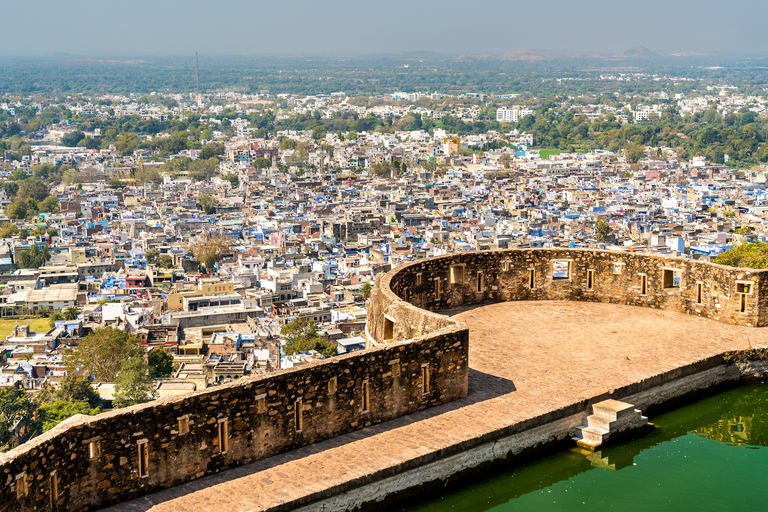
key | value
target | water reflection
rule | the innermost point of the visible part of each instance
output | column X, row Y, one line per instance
column 737, row 417
column 746, row 423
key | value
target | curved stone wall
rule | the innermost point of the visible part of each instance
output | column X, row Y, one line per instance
column 726, row 294
column 92, row 461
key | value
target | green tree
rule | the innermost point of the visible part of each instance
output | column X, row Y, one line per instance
column 16, row 210
column 75, row 387
column 211, row 150
column 8, row 229
column 431, row 164
column 102, row 352
column 602, row 229
column 51, row 414
column 15, row 406
column 55, row 317
column 207, row 203
column 233, row 179
column 49, row 205
column 133, row 385
column 366, row 289
column 126, row 143
column 71, row 313
column 19, row 175
column 201, row 170
column 160, row 363
column 302, row 336
column 261, row 163
column 208, row 249
column 634, row 152
column 145, row 175
column 34, row 188
column 318, row 132
column 747, row 255
column 72, row 139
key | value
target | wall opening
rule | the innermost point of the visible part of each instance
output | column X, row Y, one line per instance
column 425, row 379
column 332, row 384
column 395, row 364
column 617, row 268
column 506, row 266
column 261, row 403
column 298, row 416
column 366, row 396
column 94, row 449
column 143, row 458
column 53, row 484
column 699, row 293
column 21, row 485
column 479, row 281
column 223, row 435
column 643, row 284
column 457, row 275
column 590, row 279
column 671, row 278
column 389, row 329
column 437, row 288
column 183, row 425
column 743, row 289
column 561, row 270
column 531, row 278
column 418, row 279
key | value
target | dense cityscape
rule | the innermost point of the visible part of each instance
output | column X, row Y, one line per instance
column 314, row 267
column 203, row 237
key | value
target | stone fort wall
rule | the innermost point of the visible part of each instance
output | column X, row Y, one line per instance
column 89, row 462
column 726, row 294
column 417, row 358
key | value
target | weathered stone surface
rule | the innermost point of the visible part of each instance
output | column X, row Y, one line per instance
column 491, row 276
column 252, row 435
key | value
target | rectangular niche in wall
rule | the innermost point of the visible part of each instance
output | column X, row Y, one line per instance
column 457, row 274
column 561, row 269
column 671, row 278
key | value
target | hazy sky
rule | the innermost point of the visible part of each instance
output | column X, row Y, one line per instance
column 181, row 27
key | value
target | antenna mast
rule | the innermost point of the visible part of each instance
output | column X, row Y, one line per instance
column 197, row 82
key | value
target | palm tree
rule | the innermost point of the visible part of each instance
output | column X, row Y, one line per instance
column 45, row 255
column 24, row 259
column 55, row 317
column 71, row 313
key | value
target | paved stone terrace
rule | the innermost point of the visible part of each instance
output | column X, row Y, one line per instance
column 526, row 358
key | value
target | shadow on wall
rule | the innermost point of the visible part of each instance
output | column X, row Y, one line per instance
column 482, row 387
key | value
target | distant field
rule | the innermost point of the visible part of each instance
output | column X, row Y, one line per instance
column 36, row 325
column 546, row 153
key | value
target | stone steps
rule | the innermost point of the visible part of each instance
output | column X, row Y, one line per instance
column 608, row 418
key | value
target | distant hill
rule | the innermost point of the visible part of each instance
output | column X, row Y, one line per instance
column 528, row 55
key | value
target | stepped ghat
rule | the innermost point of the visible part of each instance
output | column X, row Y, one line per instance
column 474, row 360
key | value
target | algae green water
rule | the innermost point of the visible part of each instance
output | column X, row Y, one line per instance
column 709, row 455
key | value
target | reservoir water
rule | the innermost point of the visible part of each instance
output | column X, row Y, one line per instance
column 709, row 455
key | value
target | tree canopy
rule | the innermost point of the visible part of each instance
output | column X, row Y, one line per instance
column 52, row 413
column 208, row 249
column 160, row 363
column 102, row 353
column 747, row 255
column 133, row 385
column 15, row 406
column 302, row 336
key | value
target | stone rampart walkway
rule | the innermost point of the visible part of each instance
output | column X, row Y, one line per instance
column 526, row 358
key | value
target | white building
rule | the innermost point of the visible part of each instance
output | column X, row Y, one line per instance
column 512, row 115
